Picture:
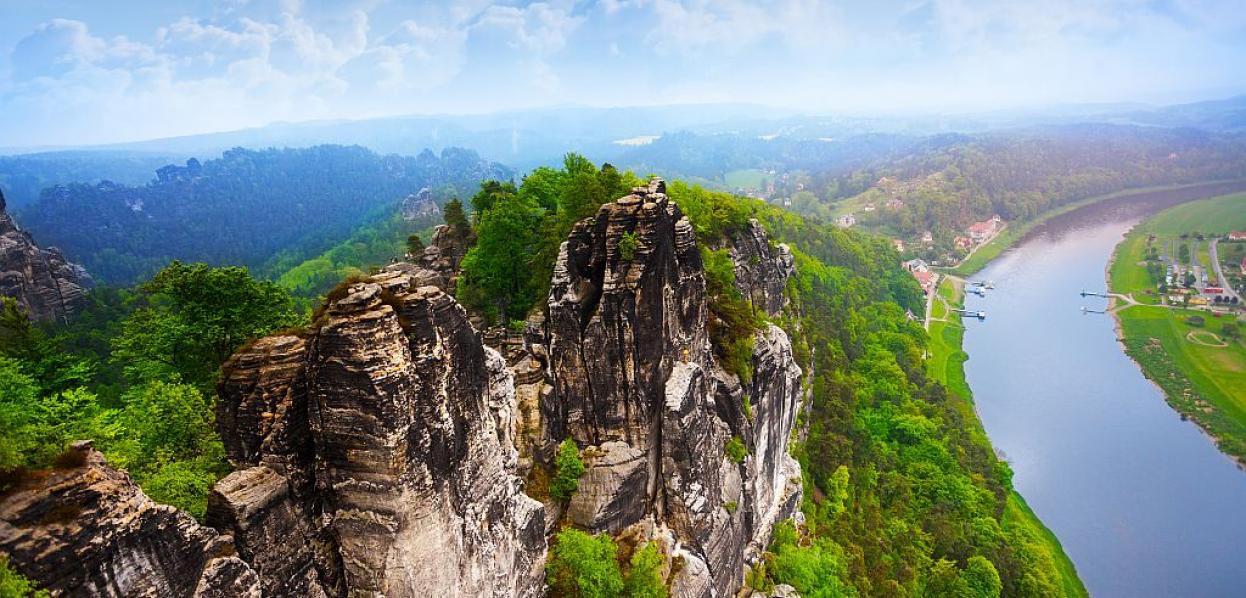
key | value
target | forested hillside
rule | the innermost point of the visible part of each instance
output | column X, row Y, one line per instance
column 953, row 181
column 23, row 177
column 268, row 210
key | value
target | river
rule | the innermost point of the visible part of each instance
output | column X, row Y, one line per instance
column 1142, row 501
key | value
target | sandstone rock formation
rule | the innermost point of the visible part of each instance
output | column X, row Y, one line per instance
column 379, row 455
column 419, row 205
column 632, row 379
column 439, row 264
column 87, row 530
column 46, row 286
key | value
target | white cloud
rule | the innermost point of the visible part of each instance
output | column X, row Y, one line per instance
column 252, row 62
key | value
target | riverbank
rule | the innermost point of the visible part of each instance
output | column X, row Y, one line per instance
column 1199, row 366
column 1014, row 232
column 945, row 363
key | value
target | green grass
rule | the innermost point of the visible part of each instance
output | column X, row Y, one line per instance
column 1204, row 383
column 1016, row 230
column 1126, row 276
column 748, row 178
column 1214, row 216
column 946, row 363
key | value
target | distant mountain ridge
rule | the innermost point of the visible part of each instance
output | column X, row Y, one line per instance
column 245, row 208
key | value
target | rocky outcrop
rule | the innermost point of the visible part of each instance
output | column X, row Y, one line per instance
column 439, row 264
column 379, row 454
column 631, row 377
column 86, row 529
column 418, row 206
column 45, row 285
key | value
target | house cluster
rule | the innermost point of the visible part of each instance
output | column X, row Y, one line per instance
column 981, row 231
column 921, row 271
column 978, row 233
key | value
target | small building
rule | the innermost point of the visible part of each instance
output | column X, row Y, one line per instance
column 1237, row 235
column 916, row 265
column 899, row 244
column 980, row 231
column 927, row 238
column 846, row 220
column 869, row 207
column 1213, row 291
column 926, row 279
column 895, row 204
column 963, row 242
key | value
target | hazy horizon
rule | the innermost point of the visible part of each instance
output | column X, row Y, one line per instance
column 75, row 73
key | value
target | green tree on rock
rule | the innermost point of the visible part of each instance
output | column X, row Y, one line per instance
column 567, row 471
column 496, row 275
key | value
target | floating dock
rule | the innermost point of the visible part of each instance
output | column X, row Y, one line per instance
column 1086, row 293
column 981, row 315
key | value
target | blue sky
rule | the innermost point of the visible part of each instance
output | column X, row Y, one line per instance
column 84, row 71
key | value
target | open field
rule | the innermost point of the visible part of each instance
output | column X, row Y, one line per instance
column 1214, row 216
column 946, row 363
column 1201, row 369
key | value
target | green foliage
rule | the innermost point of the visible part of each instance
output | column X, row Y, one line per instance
column 583, row 566
column 456, row 219
column 519, row 231
column 415, row 245
column 735, row 450
column 644, row 579
column 193, row 317
column 567, row 471
column 490, row 193
column 268, row 210
column 733, row 319
column 495, row 276
column 628, row 246
column 15, row 585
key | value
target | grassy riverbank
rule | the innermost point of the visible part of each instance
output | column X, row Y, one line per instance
column 1201, row 369
column 946, row 364
column 1016, row 230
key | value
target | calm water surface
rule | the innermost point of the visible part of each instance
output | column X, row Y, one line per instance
column 1143, row 502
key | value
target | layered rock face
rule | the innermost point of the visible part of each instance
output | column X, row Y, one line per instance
column 380, row 454
column 439, row 264
column 632, row 379
column 46, row 286
column 88, row 530
column 419, row 205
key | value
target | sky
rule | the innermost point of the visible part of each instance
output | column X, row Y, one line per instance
column 76, row 72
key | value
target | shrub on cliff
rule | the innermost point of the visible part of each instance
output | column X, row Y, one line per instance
column 567, row 471
column 583, row 565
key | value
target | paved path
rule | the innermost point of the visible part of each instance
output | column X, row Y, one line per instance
column 1215, row 265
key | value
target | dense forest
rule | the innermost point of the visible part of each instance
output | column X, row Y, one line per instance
column 268, row 210
column 24, row 176
column 952, row 181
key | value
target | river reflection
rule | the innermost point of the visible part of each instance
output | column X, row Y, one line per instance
column 1142, row 501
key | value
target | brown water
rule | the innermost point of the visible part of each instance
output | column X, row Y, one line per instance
column 1142, row 501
